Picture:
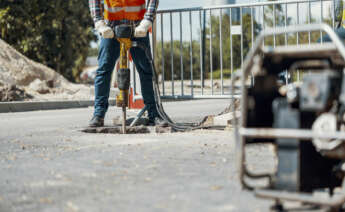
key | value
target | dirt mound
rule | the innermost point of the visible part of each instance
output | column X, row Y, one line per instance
column 17, row 69
column 35, row 79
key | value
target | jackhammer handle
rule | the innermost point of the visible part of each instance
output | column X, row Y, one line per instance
column 124, row 31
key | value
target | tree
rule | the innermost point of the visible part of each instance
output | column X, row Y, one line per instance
column 303, row 37
column 236, row 46
column 56, row 33
column 276, row 11
column 177, row 64
column 236, row 41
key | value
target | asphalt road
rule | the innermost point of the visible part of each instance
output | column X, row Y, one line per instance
column 47, row 164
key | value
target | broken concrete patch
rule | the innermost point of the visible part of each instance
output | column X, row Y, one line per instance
column 117, row 130
column 230, row 108
column 225, row 119
column 159, row 129
column 141, row 122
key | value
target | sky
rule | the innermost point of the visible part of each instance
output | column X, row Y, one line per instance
column 173, row 4
column 168, row 4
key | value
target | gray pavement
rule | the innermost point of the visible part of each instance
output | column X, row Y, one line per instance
column 47, row 164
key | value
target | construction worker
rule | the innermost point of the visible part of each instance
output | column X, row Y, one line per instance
column 106, row 17
column 340, row 19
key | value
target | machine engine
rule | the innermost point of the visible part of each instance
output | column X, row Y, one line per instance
column 303, row 119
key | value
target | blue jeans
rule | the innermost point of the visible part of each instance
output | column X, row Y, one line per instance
column 108, row 54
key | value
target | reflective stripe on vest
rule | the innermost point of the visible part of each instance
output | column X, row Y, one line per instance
column 126, row 8
column 122, row 11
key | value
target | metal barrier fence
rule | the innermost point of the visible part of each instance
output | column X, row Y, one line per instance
column 197, row 50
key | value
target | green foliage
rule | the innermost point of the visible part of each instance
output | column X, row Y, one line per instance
column 226, row 42
column 93, row 52
column 274, row 17
column 217, row 74
column 164, row 54
column 303, row 37
column 56, row 33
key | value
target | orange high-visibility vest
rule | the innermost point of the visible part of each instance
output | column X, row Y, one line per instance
column 133, row 10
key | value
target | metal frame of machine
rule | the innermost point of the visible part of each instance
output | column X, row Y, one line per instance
column 288, row 134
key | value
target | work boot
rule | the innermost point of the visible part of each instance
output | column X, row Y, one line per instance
column 96, row 121
column 158, row 121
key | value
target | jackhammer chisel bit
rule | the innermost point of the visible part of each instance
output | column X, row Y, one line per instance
column 123, row 34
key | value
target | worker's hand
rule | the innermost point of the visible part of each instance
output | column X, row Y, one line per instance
column 104, row 30
column 141, row 30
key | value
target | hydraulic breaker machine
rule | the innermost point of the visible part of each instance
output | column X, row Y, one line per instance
column 304, row 121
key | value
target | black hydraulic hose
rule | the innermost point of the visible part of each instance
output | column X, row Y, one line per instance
column 159, row 105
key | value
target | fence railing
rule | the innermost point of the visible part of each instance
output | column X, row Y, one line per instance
column 197, row 50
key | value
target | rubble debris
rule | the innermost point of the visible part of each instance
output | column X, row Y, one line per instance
column 10, row 92
column 117, row 121
column 160, row 130
column 229, row 108
column 39, row 86
column 224, row 118
column 130, row 130
column 117, row 130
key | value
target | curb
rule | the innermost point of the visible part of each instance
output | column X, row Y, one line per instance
column 6, row 107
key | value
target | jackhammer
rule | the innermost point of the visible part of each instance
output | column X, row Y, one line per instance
column 123, row 33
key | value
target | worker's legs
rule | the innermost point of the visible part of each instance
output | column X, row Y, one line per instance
column 145, row 73
column 340, row 32
column 108, row 53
